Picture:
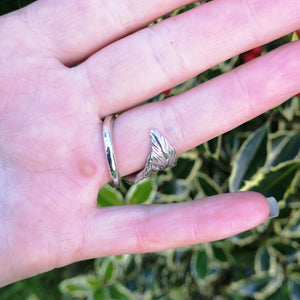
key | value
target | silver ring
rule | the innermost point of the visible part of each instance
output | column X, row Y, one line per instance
column 109, row 150
column 162, row 155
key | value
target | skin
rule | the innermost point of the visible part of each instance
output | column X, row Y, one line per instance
column 52, row 160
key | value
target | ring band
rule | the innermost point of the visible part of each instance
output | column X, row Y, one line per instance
column 109, row 150
column 162, row 155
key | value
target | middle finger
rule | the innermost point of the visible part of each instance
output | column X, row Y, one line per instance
column 138, row 67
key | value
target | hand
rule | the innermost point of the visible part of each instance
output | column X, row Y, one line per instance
column 52, row 157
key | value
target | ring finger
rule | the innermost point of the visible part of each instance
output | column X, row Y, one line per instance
column 210, row 109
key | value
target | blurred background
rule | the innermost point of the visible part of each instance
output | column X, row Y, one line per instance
column 261, row 155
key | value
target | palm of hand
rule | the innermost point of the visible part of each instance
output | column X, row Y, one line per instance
column 50, row 157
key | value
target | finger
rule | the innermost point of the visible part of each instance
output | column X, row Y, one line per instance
column 75, row 29
column 210, row 109
column 142, row 65
column 147, row 228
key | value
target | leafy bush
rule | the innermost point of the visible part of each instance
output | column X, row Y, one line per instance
column 263, row 263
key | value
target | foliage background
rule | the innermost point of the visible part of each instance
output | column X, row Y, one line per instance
column 263, row 263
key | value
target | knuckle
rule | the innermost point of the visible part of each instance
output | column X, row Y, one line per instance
column 142, row 237
column 124, row 14
column 252, row 19
column 86, row 237
column 195, row 227
column 288, row 59
column 285, row 69
column 173, row 124
column 166, row 52
column 243, row 90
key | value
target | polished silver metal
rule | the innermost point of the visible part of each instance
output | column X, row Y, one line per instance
column 162, row 156
column 109, row 150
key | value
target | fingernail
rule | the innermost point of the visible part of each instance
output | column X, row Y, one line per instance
column 274, row 208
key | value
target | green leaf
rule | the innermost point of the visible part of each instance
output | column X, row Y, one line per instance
column 248, row 287
column 250, row 158
column 109, row 196
column 132, row 265
column 106, row 268
column 109, row 271
column 220, row 252
column 80, row 286
column 287, row 149
column 281, row 294
column 276, row 182
column 208, row 186
column 199, row 264
column 203, row 269
column 259, row 287
column 265, row 260
column 177, row 293
column 285, row 247
column 119, row 292
column 187, row 166
column 293, row 271
column 244, row 238
column 292, row 228
column 142, row 192
column 294, row 289
column 213, row 146
column 173, row 191
column 100, row 294
column 290, row 108
column 294, row 37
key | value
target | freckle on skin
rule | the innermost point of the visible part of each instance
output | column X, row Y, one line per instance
column 87, row 169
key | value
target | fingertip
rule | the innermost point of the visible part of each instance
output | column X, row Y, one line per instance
column 256, row 207
column 264, row 207
column 233, row 213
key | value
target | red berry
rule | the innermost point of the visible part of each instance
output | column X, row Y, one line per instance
column 251, row 54
column 247, row 56
column 298, row 95
column 298, row 33
column 257, row 51
column 166, row 92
